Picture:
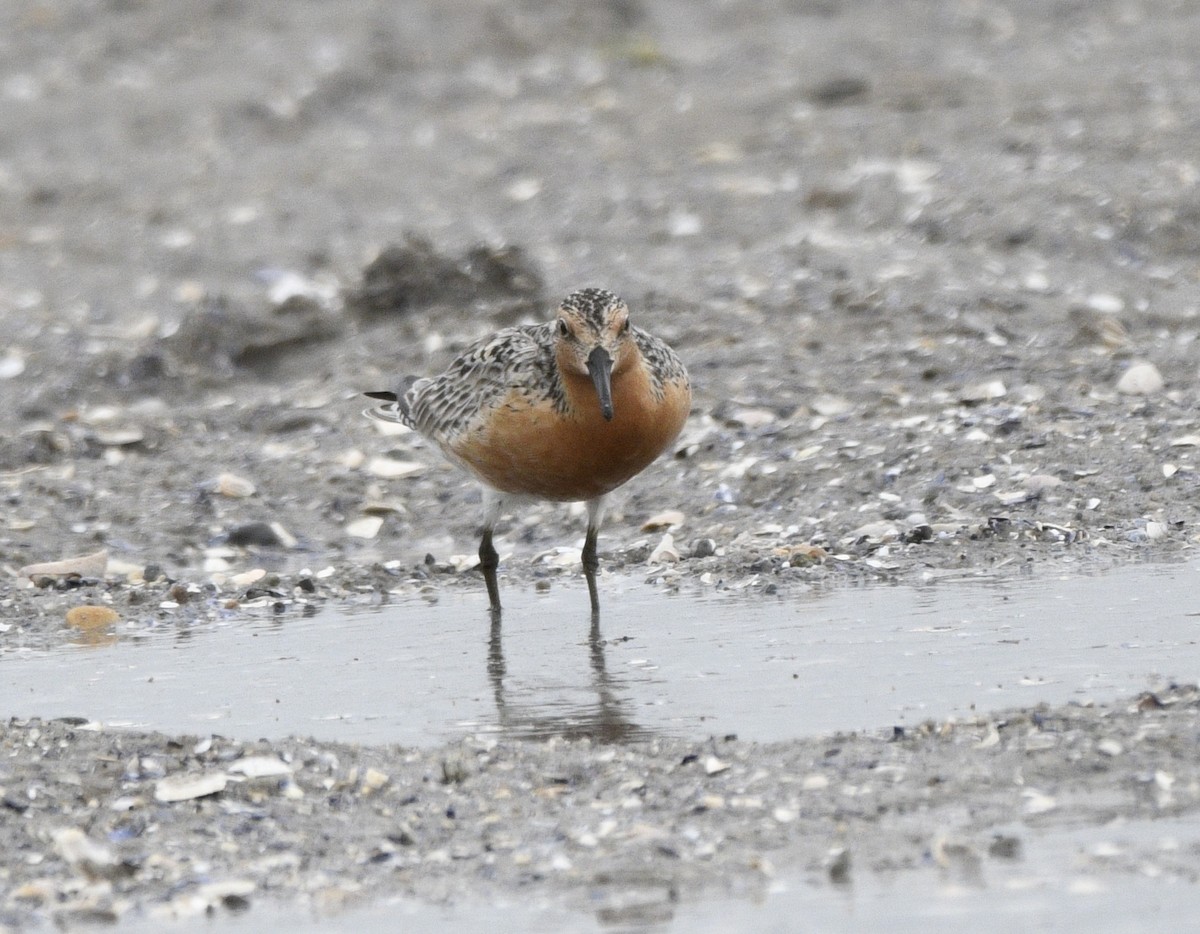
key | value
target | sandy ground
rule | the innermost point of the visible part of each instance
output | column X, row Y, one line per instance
column 174, row 826
column 932, row 267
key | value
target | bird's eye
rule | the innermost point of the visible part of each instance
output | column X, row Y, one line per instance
column 563, row 330
column 625, row 326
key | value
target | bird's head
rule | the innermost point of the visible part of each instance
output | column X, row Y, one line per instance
column 593, row 339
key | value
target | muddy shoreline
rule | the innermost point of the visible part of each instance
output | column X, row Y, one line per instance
column 931, row 267
column 170, row 826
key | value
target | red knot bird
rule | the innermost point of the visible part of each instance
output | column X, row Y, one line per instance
column 567, row 411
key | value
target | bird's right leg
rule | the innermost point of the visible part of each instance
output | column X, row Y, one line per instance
column 489, row 560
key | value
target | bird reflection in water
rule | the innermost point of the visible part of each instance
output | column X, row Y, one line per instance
column 605, row 721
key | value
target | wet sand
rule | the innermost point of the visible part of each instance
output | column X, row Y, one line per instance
column 932, row 268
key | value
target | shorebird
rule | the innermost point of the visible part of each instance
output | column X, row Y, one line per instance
column 567, row 411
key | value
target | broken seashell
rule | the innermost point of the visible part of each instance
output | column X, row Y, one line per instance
column 187, row 787
column 747, row 417
column 366, row 527
column 665, row 553
column 246, row 578
column 120, row 437
column 388, row 468
column 260, row 767
column 672, row 518
column 92, row 565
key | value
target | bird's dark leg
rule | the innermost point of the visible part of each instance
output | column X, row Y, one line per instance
column 493, row 506
column 591, row 564
column 489, row 560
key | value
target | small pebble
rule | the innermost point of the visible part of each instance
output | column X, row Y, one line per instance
column 1109, row 747
column 84, row 854
column 839, row 865
column 233, row 486
column 983, row 392
column 373, row 780
column 874, row 533
column 1040, row 482
column 1105, row 303
column 91, row 617
column 252, row 533
column 684, row 224
column 1038, row 803
column 1005, row 846
column 1141, row 379
column 262, row 534
column 830, row 406
column 524, row 189
column 11, row 365
column 1036, row 282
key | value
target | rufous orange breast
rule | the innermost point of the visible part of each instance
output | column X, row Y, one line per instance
column 529, row 448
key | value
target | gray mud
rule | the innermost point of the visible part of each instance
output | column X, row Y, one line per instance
column 669, row 820
column 932, row 267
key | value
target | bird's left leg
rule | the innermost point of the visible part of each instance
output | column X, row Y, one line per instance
column 591, row 564
column 489, row 560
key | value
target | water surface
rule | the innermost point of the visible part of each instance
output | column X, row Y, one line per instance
column 765, row 669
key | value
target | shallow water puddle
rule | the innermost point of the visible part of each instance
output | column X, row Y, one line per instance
column 766, row 669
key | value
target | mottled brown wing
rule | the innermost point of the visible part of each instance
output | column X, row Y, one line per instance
column 664, row 366
column 444, row 407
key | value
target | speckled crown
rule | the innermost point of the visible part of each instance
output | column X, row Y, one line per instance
column 591, row 304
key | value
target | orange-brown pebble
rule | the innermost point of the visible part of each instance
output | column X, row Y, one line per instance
column 91, row 617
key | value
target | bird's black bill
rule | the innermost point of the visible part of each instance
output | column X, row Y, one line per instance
column 599, row 365
column 384, row 396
